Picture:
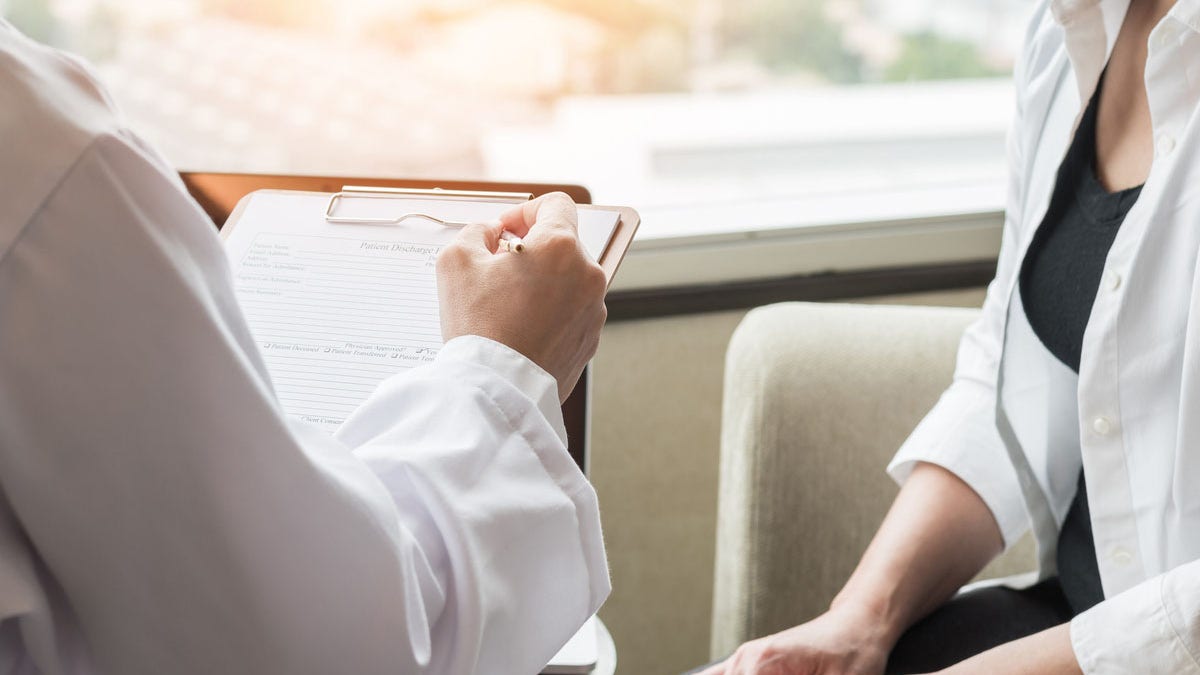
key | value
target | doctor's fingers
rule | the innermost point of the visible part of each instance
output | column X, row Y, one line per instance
column 554, row 211
column 474, row 241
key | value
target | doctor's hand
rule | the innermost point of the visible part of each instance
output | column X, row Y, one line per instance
column 546, row 302
column 831, row 644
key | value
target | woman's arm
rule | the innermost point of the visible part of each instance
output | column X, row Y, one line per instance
column 1046, row 653
column 937, row 535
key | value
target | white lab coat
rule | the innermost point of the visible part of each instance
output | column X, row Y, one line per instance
column 1009, row 423
column 159, row 514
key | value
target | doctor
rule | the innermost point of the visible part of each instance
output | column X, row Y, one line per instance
column 159, row 514
column 1075, row 407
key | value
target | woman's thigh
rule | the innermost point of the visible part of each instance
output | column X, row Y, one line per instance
column 975, row 622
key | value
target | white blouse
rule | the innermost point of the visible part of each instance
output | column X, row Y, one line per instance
column 1009, row 423
column 159, row 514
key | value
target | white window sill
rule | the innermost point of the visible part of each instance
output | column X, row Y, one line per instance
column 882, row 231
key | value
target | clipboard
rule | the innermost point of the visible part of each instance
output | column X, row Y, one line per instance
column 226, row 197
column 609, row 260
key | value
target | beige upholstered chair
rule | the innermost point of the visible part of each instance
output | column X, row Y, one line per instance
column 817, row 399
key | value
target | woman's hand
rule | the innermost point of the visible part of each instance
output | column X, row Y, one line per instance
column 835, row 643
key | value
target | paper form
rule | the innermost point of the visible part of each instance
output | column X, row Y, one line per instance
column 337, row 308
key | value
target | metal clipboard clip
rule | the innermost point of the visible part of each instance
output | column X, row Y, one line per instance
column 353, row 191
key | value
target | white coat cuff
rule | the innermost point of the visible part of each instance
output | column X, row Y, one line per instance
column 960, row 435
column 514, row 368
column 1139, row 631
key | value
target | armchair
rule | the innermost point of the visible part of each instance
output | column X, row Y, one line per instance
column 817, row 399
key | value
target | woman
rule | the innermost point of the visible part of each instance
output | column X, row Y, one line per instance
column 1088, row 435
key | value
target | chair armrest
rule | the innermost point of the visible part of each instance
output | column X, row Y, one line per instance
column 817, row 399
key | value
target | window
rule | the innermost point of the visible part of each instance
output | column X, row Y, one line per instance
column 711, row 116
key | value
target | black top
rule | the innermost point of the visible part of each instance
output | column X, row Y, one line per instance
column 1059, row 280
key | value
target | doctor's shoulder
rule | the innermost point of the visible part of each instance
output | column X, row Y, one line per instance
column 52, row 109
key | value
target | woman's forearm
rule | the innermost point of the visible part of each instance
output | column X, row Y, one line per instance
column 937, row 536
column 1046, row 653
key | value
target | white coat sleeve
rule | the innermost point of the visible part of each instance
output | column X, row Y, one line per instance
column 192, row 528
column 1150, row 629
column 960, row 432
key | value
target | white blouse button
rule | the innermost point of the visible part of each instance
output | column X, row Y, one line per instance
column 1112, row 280
column 1165, row 145
column 1121, row 556
column 1102, row 426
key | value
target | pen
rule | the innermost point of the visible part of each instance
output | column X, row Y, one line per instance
column 511, row 242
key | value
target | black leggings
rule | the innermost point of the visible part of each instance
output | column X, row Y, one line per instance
column 974, row 622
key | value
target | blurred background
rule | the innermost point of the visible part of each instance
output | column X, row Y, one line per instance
column 688, row 109
column 776, row 150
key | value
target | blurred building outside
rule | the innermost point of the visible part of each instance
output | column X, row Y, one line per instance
column 707, row 115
